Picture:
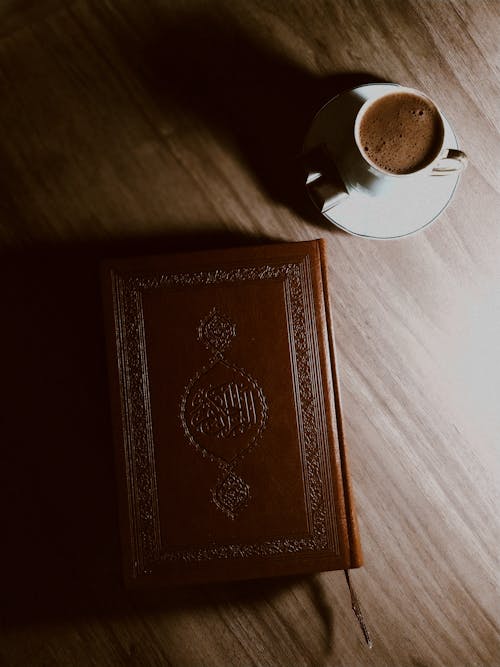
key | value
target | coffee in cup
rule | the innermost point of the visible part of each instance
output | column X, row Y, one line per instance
column 400, row 133
column 398, row 138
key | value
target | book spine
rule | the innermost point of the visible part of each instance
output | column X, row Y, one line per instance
column 355, row 553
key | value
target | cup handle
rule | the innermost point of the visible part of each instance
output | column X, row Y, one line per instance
column 452, row 161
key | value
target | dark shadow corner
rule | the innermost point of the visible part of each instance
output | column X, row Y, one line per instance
column 61, row 552
column 254, row 99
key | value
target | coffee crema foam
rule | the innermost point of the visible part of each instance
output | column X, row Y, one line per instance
column 401, row 133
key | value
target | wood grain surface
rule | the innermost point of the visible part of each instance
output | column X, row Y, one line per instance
column 131, row 127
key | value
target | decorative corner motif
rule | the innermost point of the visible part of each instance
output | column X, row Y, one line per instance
column 222, row 402
column 231, row 495
column 216, row 332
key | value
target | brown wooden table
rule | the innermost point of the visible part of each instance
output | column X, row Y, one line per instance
column 132, row 127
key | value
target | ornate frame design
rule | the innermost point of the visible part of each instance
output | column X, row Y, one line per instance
column 138, row 446
column 215, row 333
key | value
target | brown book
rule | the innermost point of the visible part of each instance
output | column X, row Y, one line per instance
column 231, row 461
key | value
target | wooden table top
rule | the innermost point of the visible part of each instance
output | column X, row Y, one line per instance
column 132, row 127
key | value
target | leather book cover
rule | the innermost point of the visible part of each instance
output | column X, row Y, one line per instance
column 230, row 455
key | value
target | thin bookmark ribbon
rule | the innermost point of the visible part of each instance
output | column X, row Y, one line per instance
column 358, row 612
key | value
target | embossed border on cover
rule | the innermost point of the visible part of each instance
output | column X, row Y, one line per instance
column 142, row 492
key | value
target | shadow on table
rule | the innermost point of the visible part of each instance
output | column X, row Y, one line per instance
column 255, row 100
column 57, row 493
column 61, row 552
column 60, row 544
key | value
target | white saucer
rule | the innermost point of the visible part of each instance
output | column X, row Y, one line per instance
column 385, row 216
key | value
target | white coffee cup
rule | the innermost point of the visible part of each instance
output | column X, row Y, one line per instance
column 361, row 173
